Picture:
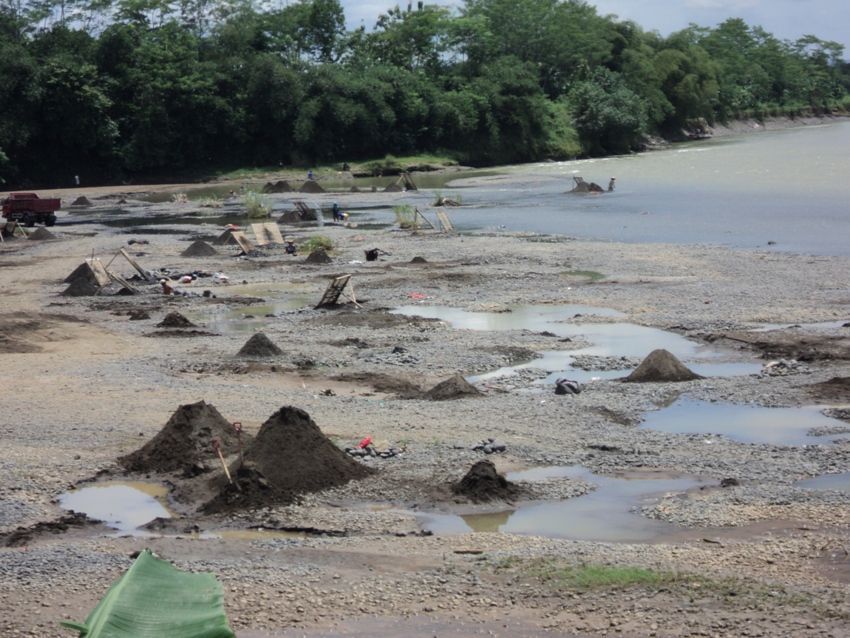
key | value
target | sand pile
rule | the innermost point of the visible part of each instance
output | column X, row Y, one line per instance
column 185, row 443
column 175, row 320
column 82, row 201
column 311, row 187
column 289, row 456
column 418, row 260
column 259, row 345
column 318, row 256
column 455, row 387
column 394, row 188
column 225, row 238
column 661, row 365
column 83, row 271
column 199, row 248
column 41, row 234
column 280, row 186
column 82, row 287
column 483, row 483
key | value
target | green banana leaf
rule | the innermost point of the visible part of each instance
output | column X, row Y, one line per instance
column 154, row 600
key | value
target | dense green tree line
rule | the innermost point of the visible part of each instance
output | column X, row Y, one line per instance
column 114, row 89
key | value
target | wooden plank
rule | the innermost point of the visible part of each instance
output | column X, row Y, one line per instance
column 273, row 232
column 333, row 291
column 244, row 244
column 445, row 223
column 101, row 275
column 142, row 272
column 419, row 217
column 123, row 283
column 260, row 234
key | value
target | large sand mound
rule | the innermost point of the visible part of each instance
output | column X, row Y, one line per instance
column 289, row 456
column 199, row 248
column 185, row 443
column 311, row 187
column 661, row 365
column 259, row 345
column 483, row 483
column 455, row 387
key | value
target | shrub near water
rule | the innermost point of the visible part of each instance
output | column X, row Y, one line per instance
column 405, row 215
column 315, row 242
column 256, row 206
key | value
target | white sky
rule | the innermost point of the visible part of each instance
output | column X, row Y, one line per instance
column 787, row 19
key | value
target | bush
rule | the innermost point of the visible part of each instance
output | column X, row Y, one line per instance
column 405, row 215
column 315, row 242
column 387, row 166
column 256, row 205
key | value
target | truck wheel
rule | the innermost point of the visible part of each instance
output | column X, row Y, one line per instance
column 29, row 220
column 50, row 220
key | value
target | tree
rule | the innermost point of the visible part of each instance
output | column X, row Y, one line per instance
column 609, row 117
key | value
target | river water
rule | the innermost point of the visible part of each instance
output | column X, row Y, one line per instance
column 791, row 187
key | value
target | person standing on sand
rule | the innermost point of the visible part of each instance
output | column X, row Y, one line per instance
column 611, row 185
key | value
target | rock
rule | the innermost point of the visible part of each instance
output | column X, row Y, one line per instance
column 729, row 482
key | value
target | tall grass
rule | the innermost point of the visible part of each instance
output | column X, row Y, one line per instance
column 256, row 206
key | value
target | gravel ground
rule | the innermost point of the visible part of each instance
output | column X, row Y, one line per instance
column 98, row 385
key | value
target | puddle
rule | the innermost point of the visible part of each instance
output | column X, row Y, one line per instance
column 831, row 482
column 743, row 423
column 121, row 506
column 604, row 515
column 227, row 319
column 608, row 339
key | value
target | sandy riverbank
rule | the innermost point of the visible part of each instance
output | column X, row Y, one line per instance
column 91, row 385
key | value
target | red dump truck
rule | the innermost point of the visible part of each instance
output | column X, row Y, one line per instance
column 29, row 209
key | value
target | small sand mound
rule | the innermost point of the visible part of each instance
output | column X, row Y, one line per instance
column 186, row 442
column 483, row 483
column 311, row 186
column 175, row 320
column 82, row 201
column 394, row 188
column 318, row 256
column 355, row 189
column 225, row 238
column 81, row 287
column 259, row 345
column 289, row 456
column 418, row 260
column 199, row 248
column 660, row 365
column 41, row 234
column 455, row 387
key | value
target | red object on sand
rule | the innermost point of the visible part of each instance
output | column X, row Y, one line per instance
column 366, row 441
column 417, row 295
